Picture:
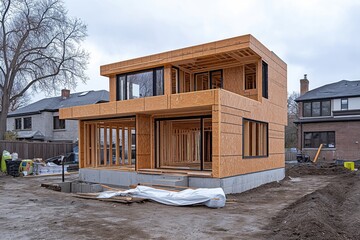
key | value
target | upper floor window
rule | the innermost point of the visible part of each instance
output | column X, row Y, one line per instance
column 58, row 123
column 344, row 104
column 317, row 108
column 140, row 84
column 250, row 76
column 208, row 80
column 265, row 81
column 18, row 123
column 27, row 122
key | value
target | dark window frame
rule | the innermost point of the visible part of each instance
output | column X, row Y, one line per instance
column 125, row 91
column 18, row 123
column 61, row 125
column 25, row 125
column 243, row 138
column 321, row 108
column 312, row 141
column 265, row 80
column 210, row 78
column 346, row 105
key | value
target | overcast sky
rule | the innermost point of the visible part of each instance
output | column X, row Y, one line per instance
column 320, row 38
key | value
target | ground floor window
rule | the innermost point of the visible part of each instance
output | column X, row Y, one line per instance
column 184, row 143
column 109, row 142
column 255, row 138
column 314, row 139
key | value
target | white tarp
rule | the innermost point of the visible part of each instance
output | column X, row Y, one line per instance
column 211, row 197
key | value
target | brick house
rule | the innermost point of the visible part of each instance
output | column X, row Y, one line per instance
column 330, row 115
column 211, row 115
column 40, row 120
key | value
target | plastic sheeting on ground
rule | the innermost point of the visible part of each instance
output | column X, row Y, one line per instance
column 211, row 197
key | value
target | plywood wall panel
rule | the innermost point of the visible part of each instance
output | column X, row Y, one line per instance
column 156, row 103
column 112, row 88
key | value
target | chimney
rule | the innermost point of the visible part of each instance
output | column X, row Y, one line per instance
column 65, row 93
column 304, row 85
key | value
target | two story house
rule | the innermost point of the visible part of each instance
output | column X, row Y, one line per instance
column 210, row 115
column 330, row 115
column 40, row 120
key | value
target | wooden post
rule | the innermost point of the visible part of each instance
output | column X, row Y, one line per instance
column 117, row 146
column 129, row 146
column 110, row 146
column 123, row 145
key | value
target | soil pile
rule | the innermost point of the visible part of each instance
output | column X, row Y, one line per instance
column 329, row 213
column 299, row 170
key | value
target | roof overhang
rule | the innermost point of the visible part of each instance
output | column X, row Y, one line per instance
column 200, row 58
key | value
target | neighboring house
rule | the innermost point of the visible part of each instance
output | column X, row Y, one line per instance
column 330, row 115
column 40, row 120
column 211, row 115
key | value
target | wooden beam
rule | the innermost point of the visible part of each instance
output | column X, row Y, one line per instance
column 123, row 145
column 117, row 146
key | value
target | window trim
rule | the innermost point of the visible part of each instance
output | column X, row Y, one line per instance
column 58, row 118
column 30, row 123
column 347, row 104
column 311, row 107
column 20, row 122
column 125, row 92
column 243, row 139
column 327, row 136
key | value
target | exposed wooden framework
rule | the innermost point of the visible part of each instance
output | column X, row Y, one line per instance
column 108, row 143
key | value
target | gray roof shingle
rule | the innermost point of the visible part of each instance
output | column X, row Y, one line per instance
column 54, row 103
column 343, row 88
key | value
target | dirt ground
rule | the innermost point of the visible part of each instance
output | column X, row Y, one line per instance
column 312, row 202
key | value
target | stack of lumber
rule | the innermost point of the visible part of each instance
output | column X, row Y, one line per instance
column 119, row 199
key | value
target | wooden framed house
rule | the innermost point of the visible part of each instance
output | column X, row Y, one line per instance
column 211, row 115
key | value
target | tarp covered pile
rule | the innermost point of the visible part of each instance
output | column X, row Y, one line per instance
column 210, row 197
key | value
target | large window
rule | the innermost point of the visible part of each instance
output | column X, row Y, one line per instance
column 140, row 84
column 314, row 139
column 58, row 123
column 27, row 123
column 317, row 108
column 255, row 139
column 18, row 123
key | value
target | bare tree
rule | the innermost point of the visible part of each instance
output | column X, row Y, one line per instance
column 293, row 115
column 40, row 49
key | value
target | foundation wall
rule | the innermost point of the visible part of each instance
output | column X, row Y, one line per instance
column 235, row 184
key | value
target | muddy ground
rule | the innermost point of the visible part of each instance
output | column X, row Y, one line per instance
column 312, row 202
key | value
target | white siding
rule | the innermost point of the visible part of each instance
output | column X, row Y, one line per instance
column 354, row 103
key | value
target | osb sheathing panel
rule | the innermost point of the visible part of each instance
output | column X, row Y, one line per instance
column 108, row 108
column 86, row 111
column 112, row 87
column 191, row 99
column 216, row 140
column 156, row 103
column 233, row 79
column 65, row 113
column 130, row 106
column 143, row 139
column 233, row 149
column 236, row 165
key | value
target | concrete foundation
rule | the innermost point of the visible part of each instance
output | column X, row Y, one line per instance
column 235, row 184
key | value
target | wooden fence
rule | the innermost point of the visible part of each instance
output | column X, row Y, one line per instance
column 290, row 155
column 30, row 150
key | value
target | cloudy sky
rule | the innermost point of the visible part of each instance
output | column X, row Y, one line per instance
column 320, row 38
